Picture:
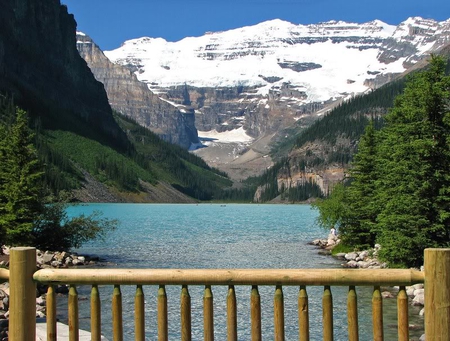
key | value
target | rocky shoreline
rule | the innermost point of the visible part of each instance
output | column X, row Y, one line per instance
column 44, row 259
column 367, row 259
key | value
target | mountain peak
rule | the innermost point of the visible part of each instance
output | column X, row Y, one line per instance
column 325, row 60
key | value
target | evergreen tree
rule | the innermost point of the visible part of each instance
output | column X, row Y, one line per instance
column 359, row 228
column 414, row 161
column 399, row 189
column 26, row 216
column 20, row 181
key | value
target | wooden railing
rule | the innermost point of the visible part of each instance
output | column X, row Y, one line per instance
column 23, row 278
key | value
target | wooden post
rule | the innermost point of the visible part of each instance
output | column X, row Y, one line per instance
column 163, row 324
column 255, row 313
column 96, row 321
column 22, row 318
column 278, row 313
column 117, row 314
column 377, row 314
column 231, row 314
column 327, row 314
column 186, row 326
column 303, row 314
column 139, row 314
column 437, row 294
column 352, row 314
column 74, row 325
column 208, row 314
column 51, row 313
column 402, row 313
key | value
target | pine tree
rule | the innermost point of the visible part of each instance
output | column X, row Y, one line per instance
column 20, row 182
column 359, row 228
column 399, row 191
column 414, row 160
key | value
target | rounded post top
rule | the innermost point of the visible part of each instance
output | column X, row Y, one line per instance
column 438, row 249
column 22, row 248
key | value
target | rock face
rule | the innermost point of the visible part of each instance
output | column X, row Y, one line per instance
column 41, row 67
column 229, row 108
column 134, row 99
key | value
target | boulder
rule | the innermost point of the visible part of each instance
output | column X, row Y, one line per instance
column 387, row 294
column 363, row 254
column 331, row 242
column 77, row 262
column 418, row 286
column 40, row 301
column 47, row 257
column 351, row 264
column 419, row 299
column 351, row 256
column 362, row 264
column 61, row 256
column 410, row 291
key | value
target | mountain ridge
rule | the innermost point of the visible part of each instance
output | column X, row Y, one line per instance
column 270, row 77
column 132, row 98
column 159, row 63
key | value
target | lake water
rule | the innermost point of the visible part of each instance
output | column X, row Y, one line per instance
column 221, row 236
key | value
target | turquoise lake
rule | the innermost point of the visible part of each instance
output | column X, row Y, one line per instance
column 221, row 236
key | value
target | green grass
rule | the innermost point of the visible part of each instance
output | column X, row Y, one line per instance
column 341, row 248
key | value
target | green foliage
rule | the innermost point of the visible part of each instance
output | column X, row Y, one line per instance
column 244, row 194
column 268, row 180
column 26, row 217
column 399, row 193
column 333, row 211
column 303, row 191
column 349, row 119
column 54, row 230
column 414, row 159
column 358, row 228
column 342, row 248
column 104, row 163
column 20, row 178
column 60, row 174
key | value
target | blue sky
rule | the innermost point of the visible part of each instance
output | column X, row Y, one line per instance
column 111, row 22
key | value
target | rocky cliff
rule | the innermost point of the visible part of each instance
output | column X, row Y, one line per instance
column 229, row 108
column 40, row 66
column 175, row 124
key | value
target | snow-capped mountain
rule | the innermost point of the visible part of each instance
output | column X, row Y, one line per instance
column 323, row 60
column 248, row 84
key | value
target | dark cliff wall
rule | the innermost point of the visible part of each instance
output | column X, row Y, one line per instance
column 40, row 66
column 133, row 98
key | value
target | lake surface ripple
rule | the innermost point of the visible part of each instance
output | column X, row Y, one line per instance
column 220, row 236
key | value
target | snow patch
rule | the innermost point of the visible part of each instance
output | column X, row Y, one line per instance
column 230, row 136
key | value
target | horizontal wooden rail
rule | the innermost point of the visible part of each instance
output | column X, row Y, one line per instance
column 23, row 278
column 316, row 277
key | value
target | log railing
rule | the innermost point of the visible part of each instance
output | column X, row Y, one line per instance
column 23, row 277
